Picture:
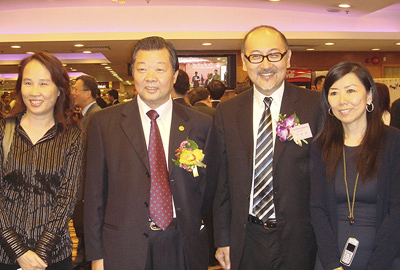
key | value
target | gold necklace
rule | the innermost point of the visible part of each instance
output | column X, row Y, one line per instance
column 351, row 208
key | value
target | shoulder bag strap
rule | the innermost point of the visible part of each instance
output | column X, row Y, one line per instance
column 9, row 131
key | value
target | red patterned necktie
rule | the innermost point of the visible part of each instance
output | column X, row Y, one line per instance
column 160, row 191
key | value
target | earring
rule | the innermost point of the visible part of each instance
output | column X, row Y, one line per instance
column 370, row 107
column 330, row 111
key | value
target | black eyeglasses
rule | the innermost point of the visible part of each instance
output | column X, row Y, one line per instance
column 271, row 57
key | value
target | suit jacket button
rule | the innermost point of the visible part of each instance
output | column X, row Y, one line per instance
column 146, row 204
column 145, row 235
column 244, row 226
column 147, row 174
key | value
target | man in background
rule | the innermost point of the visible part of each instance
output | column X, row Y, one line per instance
column 216, row 76
column 217, row 90
column 196, row 80
column 113, row 97
column 319, row 83
column 84, row 96
column 200, row 99
column 101, row 102
column 181, row 87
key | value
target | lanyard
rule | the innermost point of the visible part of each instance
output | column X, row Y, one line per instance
column 351, row 208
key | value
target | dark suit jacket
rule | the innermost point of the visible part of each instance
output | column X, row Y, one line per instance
column 87, row 118
column 234, row 126
column 118, row 186
column 101, row 102
column 215, row 103
column 395, row 114
column 323, row 208
column 203, row 108
column 78, row 211
column 182, row 101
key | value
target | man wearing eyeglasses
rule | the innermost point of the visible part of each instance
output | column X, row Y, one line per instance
column 261, row 207
column 84, row 95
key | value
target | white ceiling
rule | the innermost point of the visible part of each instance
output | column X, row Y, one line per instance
column 56, row 25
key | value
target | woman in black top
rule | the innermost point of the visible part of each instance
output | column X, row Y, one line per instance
column 41, row 169
column 355, row 175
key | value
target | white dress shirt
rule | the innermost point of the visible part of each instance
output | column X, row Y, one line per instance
column 258, row 109
column 164, row 125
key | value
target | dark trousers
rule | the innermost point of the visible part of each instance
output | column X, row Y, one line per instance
column 65, row 264
column 165, row 250
column 261, row 249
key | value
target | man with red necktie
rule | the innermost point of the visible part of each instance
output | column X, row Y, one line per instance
column 142, row 209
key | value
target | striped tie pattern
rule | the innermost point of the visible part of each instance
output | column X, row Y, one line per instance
column 263, row 205
column 160, row 191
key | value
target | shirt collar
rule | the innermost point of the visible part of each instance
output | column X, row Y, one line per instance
column 84, row 111
column 276, row 96
column 161, row 110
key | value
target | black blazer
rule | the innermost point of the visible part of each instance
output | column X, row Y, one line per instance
column 118, row 186
column 182, row 101
column 323, row 208
column 234, row 126
column 395, row 114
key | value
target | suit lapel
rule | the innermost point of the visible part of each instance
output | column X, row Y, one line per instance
column 132, row 126
column 180, row 129
column 289, row 100
column 245, row 124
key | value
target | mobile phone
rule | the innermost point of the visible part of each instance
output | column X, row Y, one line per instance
column 349, row 251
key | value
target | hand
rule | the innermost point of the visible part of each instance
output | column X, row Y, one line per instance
column 31, row 261
column 98, row 264
column 222, row 255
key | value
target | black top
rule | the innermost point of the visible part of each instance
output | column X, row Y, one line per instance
column 324, row 206
column 38, row 188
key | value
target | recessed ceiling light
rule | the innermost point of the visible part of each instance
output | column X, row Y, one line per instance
column 310, row 49
column 329, row 43
column 74, row 69
column 344, row 6
column 79, row 45
column 64, row 65
column 274, row 0
column 16, row 47
column 207, row 44
column 87, row 52
column 107, row 67
column 376, row 49
column 104, row 64
column 30, row 53
column 398, row 43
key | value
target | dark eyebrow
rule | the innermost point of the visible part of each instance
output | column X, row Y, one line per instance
column 273, row 50
column 350, row 85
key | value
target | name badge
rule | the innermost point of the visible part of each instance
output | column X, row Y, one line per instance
column 301, row 132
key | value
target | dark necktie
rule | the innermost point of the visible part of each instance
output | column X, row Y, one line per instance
column 263, row 205
column 160, row 191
